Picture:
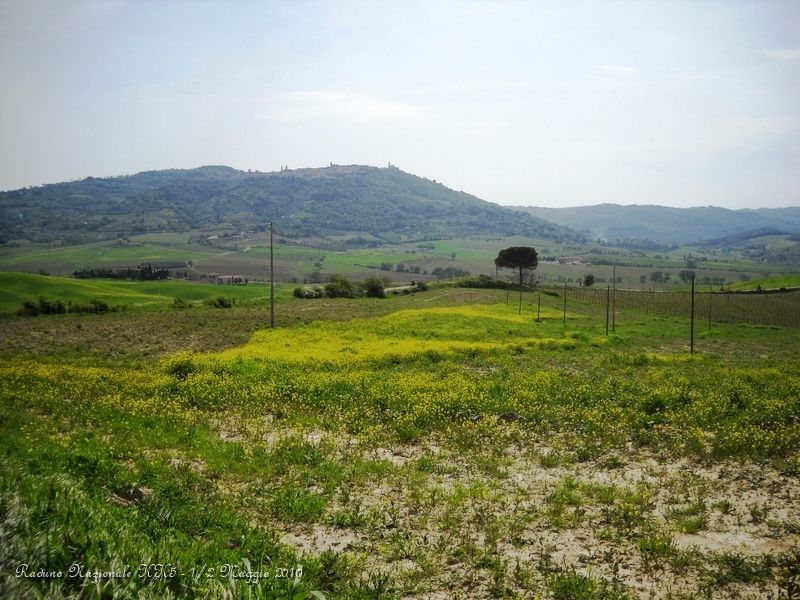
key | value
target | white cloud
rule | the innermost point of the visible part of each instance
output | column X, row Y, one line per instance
column 783, row 53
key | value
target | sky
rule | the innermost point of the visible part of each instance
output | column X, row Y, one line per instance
column 561, row 103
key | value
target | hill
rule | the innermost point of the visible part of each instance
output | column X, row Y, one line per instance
column 386, row 204
column 665, row 224
column 737, row 239
column 761, row 245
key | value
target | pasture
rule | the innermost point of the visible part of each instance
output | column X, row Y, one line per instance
column 17, row 287
column 443, row 444
column 247, row 255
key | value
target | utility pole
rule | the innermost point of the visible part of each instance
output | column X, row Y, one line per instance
column 271, row 281
column 691, row 326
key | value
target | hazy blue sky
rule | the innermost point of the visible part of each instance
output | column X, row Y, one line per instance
column 548, row 103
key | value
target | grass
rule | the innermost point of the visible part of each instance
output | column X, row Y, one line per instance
column 767, row 283
column 377, row 441
column 16, row 287
column 572, row 585
column 65, row 259
column 247, row 256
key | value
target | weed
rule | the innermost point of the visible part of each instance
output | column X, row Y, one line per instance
column 571, row 585
column 289, row 503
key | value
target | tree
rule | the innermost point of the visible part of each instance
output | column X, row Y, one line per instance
column 520, row 258
column 686, row 275
column 448, row 273
column 375, row 286
column 588, row 281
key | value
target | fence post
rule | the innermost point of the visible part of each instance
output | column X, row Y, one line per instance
column 709, row 306
column 539, row 309
column 565, row 304
column 614, row 301
column 608, row 300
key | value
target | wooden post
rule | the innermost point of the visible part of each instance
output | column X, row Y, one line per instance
column 691, row 326
column 608, row 300
column 709, row 306
column 271, row 281
column 565, row 304
column 614, row 301
column 539, row 309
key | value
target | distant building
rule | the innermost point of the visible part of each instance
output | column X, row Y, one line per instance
column 571, row 260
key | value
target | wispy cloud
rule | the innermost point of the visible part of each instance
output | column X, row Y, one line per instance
column 783, row 53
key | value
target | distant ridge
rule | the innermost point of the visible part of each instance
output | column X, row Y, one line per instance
column 376, row 203
column 666, row 224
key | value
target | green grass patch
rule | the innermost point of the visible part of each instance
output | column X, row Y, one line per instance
column 17, row 287
column 767, row 283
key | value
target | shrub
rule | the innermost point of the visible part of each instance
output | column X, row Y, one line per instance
column 95, row 306
column 219, row 302
column 98, row 306
column 308, row 293
column 42, row 306
column 341, row 286
column 481, row 281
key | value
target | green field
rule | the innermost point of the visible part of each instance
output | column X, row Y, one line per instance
column 247, row 255
column 768, row 283
column 66, row 259
column 438, row 444
column 17, row 287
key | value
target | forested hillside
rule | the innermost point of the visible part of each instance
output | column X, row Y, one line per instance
column 383, row 203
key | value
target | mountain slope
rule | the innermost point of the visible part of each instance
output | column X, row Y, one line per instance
column 386, row 203
column 665, row 224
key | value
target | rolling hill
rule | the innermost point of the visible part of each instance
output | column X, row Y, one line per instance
column 665, row 224
column 386, row 204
